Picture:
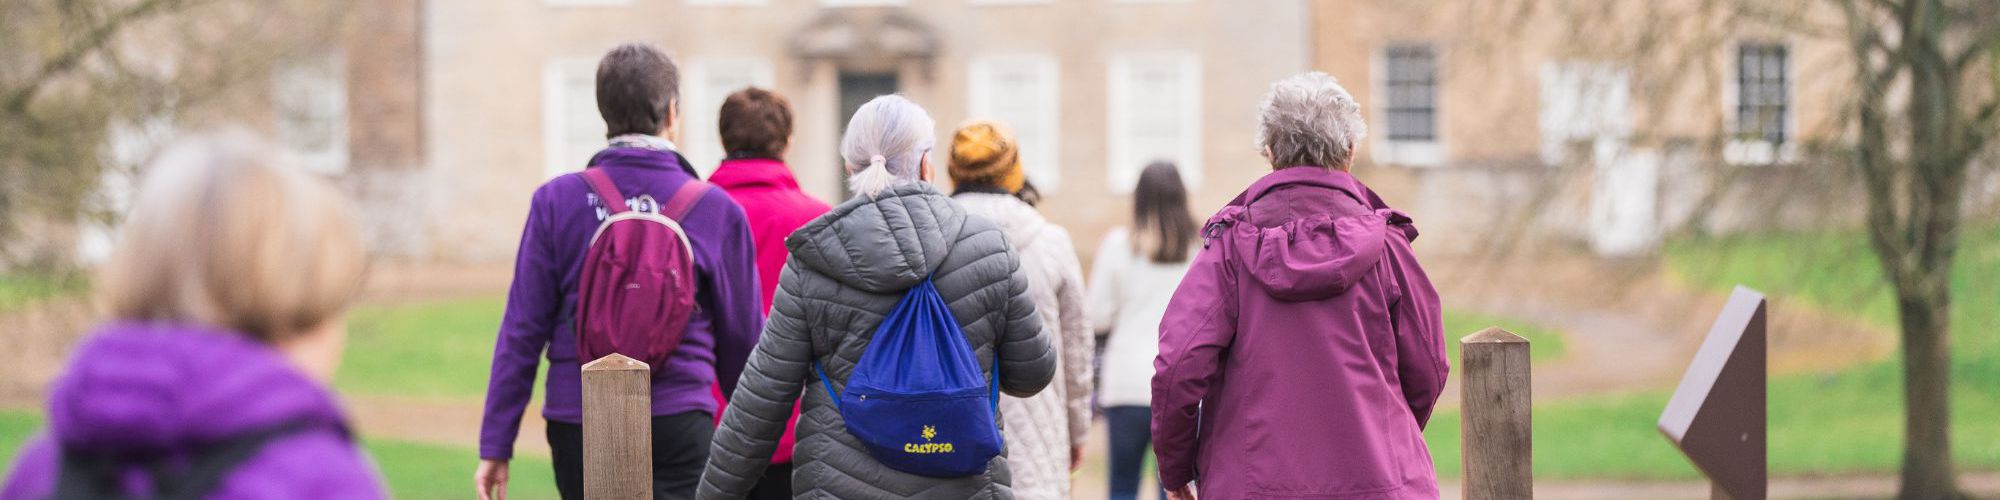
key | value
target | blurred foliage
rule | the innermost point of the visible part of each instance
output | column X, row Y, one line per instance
column 75, row 74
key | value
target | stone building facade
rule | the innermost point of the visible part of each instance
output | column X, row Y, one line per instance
column 1496, row 121
column 1486, row 124
column 1094, row 88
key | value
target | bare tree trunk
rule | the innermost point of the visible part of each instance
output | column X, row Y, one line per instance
column 1926, row 321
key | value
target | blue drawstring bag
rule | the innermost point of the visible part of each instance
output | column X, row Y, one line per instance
column 916, row 398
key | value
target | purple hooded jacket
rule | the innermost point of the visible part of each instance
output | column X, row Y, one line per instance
column 541, row 306
column 1302, row 354
column 148, row 390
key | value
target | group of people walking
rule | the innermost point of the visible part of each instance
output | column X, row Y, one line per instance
column 1287, row 347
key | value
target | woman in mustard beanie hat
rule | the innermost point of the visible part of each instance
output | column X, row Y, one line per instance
column 1045, row 432
column 985, row 159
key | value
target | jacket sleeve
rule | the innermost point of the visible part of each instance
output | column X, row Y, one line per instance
column 735, row 296
column 1079, row 344
column 1027, row 360
column 1103, row 299
column 1197, row 330
column 1421, row 363
column 525, row 329
column 764, row 398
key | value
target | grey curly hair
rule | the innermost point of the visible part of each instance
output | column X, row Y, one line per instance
column 1309, row 119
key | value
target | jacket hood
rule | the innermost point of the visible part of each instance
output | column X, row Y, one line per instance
column 137, row 388
column 883, row 243
column 747, row 172
column 1317, row 242
column 1019, row 221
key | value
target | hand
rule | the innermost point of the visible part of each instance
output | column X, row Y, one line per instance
column 491, row 480
column 1185, row 492
column 1075, row 457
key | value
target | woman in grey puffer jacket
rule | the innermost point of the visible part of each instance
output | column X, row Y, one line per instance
column 847, row 269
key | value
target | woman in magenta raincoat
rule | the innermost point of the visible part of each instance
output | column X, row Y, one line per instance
column 1302, row 354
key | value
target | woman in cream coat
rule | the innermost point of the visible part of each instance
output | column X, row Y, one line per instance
column 1045, row 432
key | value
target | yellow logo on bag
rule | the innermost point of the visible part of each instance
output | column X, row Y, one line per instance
column 927, row 447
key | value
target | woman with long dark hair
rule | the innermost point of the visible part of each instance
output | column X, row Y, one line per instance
column 1136, row 272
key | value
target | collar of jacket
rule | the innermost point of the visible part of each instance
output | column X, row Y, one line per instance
column 1315, row 176
column 1309, row 176
column 643, row 158
column 652, row 142
column 743, row 172
column 979, row 188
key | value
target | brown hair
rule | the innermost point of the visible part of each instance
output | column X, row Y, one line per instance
column 637, row 88
column 1162, row 226
column 755, row 123
column 220, row 234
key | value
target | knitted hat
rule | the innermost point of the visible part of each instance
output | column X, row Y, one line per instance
column 984, row 153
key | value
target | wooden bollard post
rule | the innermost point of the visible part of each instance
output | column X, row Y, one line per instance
column 1496, row 418
column 617, row 429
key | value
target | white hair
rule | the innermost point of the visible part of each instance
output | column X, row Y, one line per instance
column 885, row 144
column 1309, row 119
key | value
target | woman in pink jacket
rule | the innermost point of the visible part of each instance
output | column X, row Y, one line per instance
column 1302, row 353
column 756, row 129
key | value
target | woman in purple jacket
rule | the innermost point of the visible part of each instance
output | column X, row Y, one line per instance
column 1302, row 353
column 225, row 296
column 637, row 90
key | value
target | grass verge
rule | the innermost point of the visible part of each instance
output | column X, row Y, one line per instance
column 1843, row 422
column 437, row 348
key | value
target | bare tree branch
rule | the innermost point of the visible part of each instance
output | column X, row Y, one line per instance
column 90, row 43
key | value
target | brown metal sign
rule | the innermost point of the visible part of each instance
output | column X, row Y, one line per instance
column 1717, row 416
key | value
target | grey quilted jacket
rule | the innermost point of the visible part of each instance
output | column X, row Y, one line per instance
column 847, row 269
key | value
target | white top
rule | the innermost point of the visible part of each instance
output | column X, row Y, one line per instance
column 1128, row 296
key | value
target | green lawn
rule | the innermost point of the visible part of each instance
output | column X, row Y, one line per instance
column 15, row 429
column 425, row 471
column 435, row 348
column 1543, row 344
column 20, row 289
column 1844, row 422
column 413, row 470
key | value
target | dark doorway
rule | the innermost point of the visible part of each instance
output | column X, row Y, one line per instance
column 856, row 89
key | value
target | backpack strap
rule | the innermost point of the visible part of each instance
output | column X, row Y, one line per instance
column 684, row 199
column 607, row 192
column 86, row 475
column 835, row 396
column 209, row 467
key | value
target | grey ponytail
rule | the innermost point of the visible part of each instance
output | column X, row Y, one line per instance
column 885, row 144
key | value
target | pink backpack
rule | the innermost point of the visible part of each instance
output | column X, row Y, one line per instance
column 637, row 288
